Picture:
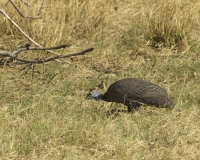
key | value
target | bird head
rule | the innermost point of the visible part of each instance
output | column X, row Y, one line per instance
column 95, row 95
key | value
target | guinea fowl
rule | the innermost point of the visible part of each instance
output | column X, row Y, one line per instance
column 133, row 93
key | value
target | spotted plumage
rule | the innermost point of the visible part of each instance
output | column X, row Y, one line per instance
column 134, row 92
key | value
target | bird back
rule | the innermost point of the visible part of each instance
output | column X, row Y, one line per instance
column 133, row 91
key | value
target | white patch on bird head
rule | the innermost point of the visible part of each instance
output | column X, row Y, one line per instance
column 95, row 95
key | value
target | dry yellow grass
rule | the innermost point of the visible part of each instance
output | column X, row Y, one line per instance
column 44, row 113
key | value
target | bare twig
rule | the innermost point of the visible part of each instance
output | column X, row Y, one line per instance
column 25, row 48
column 20, row 12
column 48, row 48
column 30, row 39
column 41, row 7
column 17, row 51
column 55, row 57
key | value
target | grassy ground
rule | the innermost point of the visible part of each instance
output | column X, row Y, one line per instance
column 43, row 110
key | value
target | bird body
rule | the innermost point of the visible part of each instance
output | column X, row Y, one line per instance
column 134, row 92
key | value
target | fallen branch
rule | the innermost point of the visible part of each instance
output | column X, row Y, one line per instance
column 11, row 57
column 14, row 54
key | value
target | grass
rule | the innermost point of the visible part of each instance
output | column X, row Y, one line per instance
column 44, row 113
